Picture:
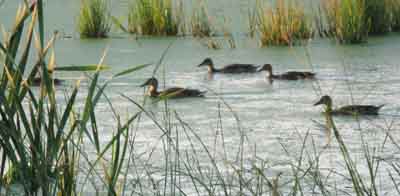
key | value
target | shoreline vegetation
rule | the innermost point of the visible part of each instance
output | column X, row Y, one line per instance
column 44, row 141
column 282, row 22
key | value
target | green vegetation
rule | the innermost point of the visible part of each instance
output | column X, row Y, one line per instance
column 53, row 147
column 352, row 21
column 155, row 17
column 284, row 24
column 347, row 20
column 395, row 5
column 94, row 19
column 378, row 13
column 200, row 21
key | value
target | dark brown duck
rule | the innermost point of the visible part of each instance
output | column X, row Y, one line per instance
column 291, row 75
column 349, row 109
column 229, row 69
column 175, row 92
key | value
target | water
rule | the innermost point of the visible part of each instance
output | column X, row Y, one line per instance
column 273, row 116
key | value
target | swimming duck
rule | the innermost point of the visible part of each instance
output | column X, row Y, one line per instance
column 349, row 109
column 175, row 92
column 229, row 69
column 291, row 75
column 38, row 80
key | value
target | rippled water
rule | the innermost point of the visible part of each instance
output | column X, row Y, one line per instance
column 272, row 116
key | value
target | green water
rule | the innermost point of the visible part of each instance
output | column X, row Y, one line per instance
column 271, row 115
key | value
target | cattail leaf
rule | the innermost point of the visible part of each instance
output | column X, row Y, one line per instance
column 52, row 62
column 130, row 70
column 82, row 67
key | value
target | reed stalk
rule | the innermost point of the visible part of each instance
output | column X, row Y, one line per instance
column 286, row 23
column 94, row 19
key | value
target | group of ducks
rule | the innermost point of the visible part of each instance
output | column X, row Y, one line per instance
column 179, row 92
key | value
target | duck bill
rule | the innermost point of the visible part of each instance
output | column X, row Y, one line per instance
column 260, row 69
column 144, row 84
column 201, row 64
column 318, row 103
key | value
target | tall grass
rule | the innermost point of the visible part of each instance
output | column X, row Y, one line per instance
column 35, row 139
column 44, row 142
column 200, row 21
column 395, row 5
column 41, row 141
column 347, row 20
column 379, row 15
column 155, row 17
column 352, row 21
column 94, row 19
column 286, row 23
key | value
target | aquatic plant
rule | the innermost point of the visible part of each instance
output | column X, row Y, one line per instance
column 200, row 21
column 395, row 5
column 40, row 139
column 45, row 142
column 347, row 20
column 286, row 23
column 378, row 13
column 94, row 19
column 155, row 17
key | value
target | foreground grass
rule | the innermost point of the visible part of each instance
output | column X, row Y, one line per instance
column 45, row 143
column 94, row 19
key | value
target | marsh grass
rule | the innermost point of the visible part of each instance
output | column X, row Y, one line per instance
column 285, row 23
column 45, row 142
column 352, row 21
column 379, row 13
column 200, row 20
column 94, row 19
column 155, row 17
column 395, row 5
column 347, row 20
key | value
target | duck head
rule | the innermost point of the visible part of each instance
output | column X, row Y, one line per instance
column 209, row 63
column 266, row 67
column 150, row 82
column 153, row 85
column 325, row 100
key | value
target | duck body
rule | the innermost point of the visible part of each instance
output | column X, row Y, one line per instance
column 174, row 92
column 291, row 75
column 37, row 81
column 177, row 92
column 357, row 110
column 229, row 69
column 352, row 110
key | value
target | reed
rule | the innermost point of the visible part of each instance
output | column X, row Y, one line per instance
column 94, row 19
column 45, row 141
column 395, row 5
column 347, row 20
column 378, row 13
column 286, row 23
column 200, row 21
column 155, row 17
column 41, row 140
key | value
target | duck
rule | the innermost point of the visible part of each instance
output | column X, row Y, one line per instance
column 38, row 80
column 175, row 92
column 349, row 109
column 291, row 75
column 229, row 69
